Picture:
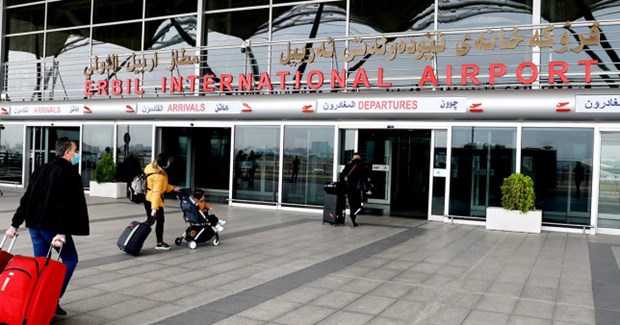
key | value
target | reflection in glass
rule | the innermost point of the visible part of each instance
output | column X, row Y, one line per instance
column 109, row 11
column 11, row 152
column 155, row 9
column 456, row 14
column 559, row 160
column 439, row 195
column 308, row 163
column 134, row 145
column 347, row 146
column 609, row 191
column 481, row 158
column 255, row 176
column 390, row 17
column 25, row 19
column 97, row 140
column 562, row 11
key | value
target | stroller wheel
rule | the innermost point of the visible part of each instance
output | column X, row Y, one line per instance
column 178, row 241
column 216, row 240
column 192, row 244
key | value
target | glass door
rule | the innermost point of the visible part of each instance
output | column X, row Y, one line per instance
column 609, row 190
column 481, row 158
column 43, row 143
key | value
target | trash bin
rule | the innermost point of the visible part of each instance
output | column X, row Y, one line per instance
column 334, row 203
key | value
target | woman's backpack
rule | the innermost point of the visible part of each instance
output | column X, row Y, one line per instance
column 136, row 190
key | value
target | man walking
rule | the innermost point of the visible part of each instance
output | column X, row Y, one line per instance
column 54, row 208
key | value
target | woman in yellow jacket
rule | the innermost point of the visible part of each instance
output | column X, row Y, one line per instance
column 157, row 186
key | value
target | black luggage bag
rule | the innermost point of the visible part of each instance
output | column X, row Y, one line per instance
column 334, row 209
column 133, row 237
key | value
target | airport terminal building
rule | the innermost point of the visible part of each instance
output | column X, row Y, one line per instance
column 263, row 101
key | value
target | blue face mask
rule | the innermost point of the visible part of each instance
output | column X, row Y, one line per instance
column 76, row 159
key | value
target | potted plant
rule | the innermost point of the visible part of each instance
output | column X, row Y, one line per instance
column 517, row 212
column 104, row 184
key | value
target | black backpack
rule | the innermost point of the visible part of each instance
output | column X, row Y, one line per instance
column 136, row 190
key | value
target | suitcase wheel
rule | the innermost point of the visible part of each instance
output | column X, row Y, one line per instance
column 178, row 241
column 192, row 244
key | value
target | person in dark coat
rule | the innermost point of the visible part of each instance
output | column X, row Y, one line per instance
column 54, row 208
column 352, row 175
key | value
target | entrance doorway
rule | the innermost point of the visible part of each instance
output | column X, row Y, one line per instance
column 200, row 157
column 41, row 142
column 400, row 170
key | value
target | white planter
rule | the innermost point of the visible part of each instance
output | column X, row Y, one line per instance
column 111, row 190
column 510, row 220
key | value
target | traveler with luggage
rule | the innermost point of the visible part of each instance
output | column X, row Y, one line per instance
column 54, row 208
column 157, row 186
column 356, row 178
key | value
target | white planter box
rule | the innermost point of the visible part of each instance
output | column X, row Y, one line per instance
column 111, row 190
column 509, row 220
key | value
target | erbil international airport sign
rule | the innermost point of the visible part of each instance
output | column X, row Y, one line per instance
column 419, row 48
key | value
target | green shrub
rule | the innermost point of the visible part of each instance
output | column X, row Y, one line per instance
column 518, row 193
column 105, row 170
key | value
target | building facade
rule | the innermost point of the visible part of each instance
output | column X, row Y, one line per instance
column 264, row 101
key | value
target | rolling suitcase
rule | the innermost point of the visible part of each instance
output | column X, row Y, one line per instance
column 6, row 256
column 29, row 289
column 333, row 209
column 133, row 237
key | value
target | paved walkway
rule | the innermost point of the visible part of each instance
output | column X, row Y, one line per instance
column 276, row 267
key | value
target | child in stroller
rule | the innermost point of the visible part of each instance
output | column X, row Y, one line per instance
column 201, row 227
column 199, row 197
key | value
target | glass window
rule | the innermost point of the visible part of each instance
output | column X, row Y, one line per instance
column 456, row 14
column 559, row 160
column 97, row 140
column 481, row 158
column 11, row 153
column 66, row 43
column 297, row 22
column 25, row 19
column 231, row 28
column 371, row 16
column 110, row 38
column 563, row 11
column 256, row 162
column 134, row 145
column 609, row 192
column 19, row 2
column 155, row 9
column 308, row 163
column 116, row 10
column 213, row 5
column 21, row 75
column 66, row 14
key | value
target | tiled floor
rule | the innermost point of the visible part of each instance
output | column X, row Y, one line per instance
column 278, row 267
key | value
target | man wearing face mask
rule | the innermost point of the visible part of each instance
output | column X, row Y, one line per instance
column 157, row 185
column 54, row 208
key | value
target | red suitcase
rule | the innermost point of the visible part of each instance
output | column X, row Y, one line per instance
column 29, row 290
column 6, row 256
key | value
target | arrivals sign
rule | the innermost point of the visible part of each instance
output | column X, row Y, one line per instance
column 47, row 110
column 186, row 107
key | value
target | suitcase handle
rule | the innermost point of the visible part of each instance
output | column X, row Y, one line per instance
column 12, row 242
column 49, row 253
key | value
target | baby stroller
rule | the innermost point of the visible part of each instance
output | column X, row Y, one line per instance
column 199, row 230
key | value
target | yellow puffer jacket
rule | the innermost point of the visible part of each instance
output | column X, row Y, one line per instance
column 157, row 185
